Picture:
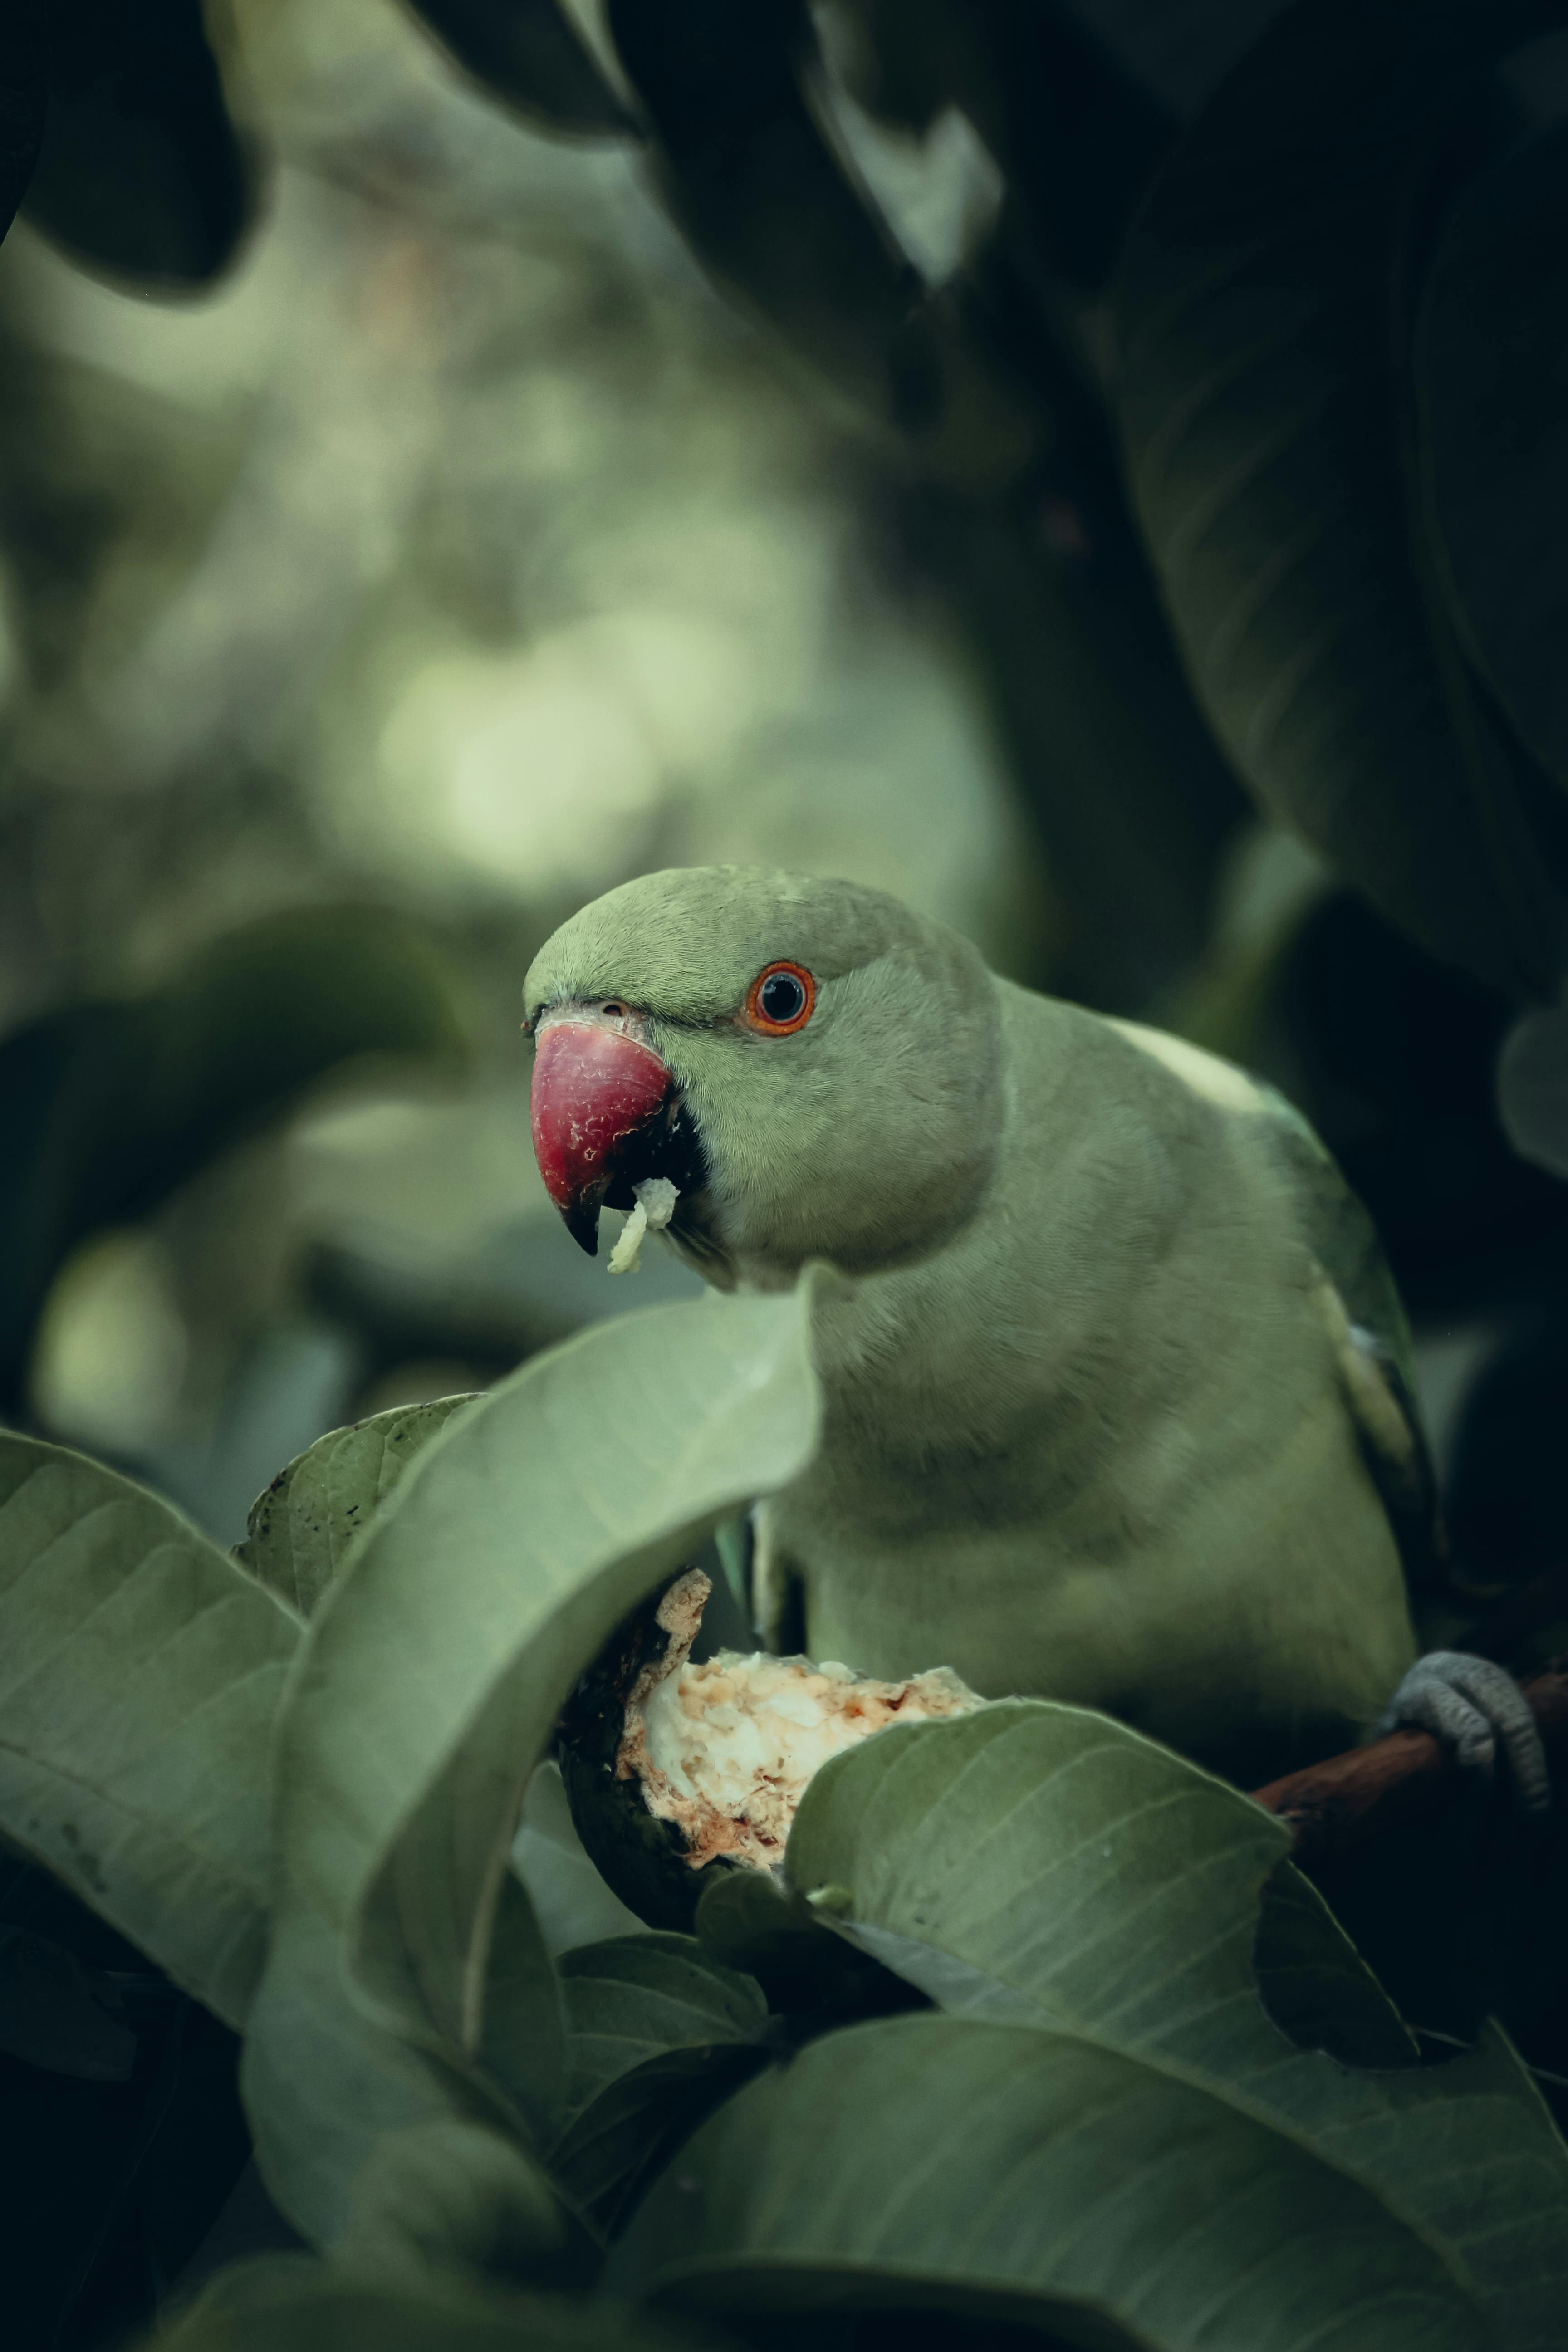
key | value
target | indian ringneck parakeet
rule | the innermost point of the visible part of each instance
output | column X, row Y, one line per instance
column 1117, row 1404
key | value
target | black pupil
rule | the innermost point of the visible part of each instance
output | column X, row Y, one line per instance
column 782, row 997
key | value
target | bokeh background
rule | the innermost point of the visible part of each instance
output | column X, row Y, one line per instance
column 464, row 550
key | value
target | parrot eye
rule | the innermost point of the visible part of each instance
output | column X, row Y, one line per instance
column 779, row 999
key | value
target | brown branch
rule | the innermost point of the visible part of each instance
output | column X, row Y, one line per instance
column 1338, row 1804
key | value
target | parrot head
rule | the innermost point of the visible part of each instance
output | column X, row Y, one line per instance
column 813, row 1067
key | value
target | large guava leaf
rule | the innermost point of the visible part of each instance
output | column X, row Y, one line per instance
column 301, row 1528
column 658, row 2032
column 430, row 1680
column 1031, row 2175
column 1266, row 416
column 1491, row 357
column 1035, row 1860
column 139, row 1675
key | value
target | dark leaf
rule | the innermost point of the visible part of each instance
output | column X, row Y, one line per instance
column 531, row 55
column 1260, row 298
column 1077, row 132
column 57, row 2014
column 293, row 2305
column 23, row 85
column 1491, row 358
column 108, row 2188
column 139, row 174
column 770, row 209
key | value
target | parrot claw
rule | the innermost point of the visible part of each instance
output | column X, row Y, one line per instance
column 1471, row 1704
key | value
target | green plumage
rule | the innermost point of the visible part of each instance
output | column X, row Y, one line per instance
column 1117, row 1410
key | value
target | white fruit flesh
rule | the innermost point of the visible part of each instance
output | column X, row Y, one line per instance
column 725, row 1749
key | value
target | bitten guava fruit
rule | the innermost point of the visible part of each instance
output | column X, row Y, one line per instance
column 678, row 1771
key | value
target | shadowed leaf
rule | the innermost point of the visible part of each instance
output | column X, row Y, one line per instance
column 660, row 2033
column 140, row 173
column 23, row 84
column 1034, row 1858
column 1492, row 360
column 294, row 2305
column 139, row 1673
column 1258, row 302
column 529, row 55
column 57, row 2014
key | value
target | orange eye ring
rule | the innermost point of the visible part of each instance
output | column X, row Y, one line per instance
column 796, row 1001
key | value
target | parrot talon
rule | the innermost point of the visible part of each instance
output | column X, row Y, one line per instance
column 1472, row 1706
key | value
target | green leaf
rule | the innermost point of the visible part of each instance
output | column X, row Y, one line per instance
column 448, row 2194
column 523, row 2036
column 660, row 2031
column 298, row 1530
column 140, row 173
column 1036, row 1860
column 637, row 1997
column 430, row 1680
column 571, row 1901
column 1028, row 2176
column 290, row 2304
column 531, row 56
column 354, row 2124
column 1262, row 291
column 1492, row 356
column 139, row 1675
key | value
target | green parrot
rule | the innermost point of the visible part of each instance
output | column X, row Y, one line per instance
column 1117, row 1397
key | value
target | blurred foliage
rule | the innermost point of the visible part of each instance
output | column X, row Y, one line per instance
column 111, row 1107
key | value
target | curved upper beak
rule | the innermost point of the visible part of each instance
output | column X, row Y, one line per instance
column 603, row 1105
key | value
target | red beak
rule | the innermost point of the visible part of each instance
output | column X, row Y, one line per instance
column 597, row 1094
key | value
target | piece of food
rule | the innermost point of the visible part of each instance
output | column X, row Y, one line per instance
column 677, row 1772
column 653, row 1206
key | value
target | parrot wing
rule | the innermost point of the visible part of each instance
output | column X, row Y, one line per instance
column 1365, row 1320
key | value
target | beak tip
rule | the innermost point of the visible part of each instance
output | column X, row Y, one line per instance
column 582, row 1221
